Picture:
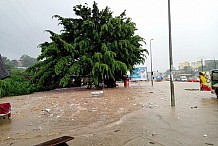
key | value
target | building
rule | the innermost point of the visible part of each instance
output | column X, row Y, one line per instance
column 208, row 62
column 211, row 64
column 196, row 65
column 182, row 65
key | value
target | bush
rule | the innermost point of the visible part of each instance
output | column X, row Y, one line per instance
column 16, row 84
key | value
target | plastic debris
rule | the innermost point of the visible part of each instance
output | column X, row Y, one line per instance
column 97, row 94
column 117, row 130
column 151, row 106
column 209, row 143
column 193, row 107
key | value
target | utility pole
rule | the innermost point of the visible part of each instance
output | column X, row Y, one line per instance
column 214, row 63
column 171, row 59
column 151, row 64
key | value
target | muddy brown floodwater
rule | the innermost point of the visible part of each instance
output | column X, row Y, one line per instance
column 139, row 115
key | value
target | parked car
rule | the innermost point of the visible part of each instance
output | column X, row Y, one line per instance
column 158, row 78
column 183, row 78
column 177, row 79
column 193, row 79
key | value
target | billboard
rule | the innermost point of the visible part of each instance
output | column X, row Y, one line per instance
column 139, row 73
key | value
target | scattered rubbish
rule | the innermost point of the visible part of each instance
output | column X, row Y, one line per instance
column 47, row 110
column 193, row 107
column 151, row 106
column 151, row 92
column 209, row 143
column 178, row 118
column 116, row 130
column 71, row 104
column 205, row 135
column 153, row 134
column 37, row 129
column 94, row 109
column 151, row 142
column 97, row 94
column 58, row 116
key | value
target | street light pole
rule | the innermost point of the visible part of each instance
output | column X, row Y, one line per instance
column 151, row 64
column 171, row 58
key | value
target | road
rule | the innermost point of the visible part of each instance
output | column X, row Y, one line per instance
column 146, row 119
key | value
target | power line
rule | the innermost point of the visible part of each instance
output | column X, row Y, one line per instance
column 15, row 25
column 11, row 43
column 22, row 17
column 29, row 18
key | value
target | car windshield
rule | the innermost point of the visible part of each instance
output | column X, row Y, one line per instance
column 215, row 76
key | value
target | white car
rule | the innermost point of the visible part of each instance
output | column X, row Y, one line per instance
column 183, row 78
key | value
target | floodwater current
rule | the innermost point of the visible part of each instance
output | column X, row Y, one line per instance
column 139, row 115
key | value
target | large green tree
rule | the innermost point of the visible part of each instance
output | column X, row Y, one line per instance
column 27, row 60
column 95, row 44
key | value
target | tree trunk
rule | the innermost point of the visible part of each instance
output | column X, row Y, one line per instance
column 110, row 83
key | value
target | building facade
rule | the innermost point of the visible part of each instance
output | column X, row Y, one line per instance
column 196, row 65
column 182, row 65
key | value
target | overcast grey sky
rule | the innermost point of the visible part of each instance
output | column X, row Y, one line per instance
column 194, row 26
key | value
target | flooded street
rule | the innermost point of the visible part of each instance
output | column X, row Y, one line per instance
column 139, row 115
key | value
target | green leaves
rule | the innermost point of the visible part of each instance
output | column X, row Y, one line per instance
column 16, row 84
column 94, row 44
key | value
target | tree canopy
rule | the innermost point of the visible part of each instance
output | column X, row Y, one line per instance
column 94, row 44
column 27, row 60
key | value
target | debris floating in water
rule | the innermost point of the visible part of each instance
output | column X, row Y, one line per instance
column 194, row 107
